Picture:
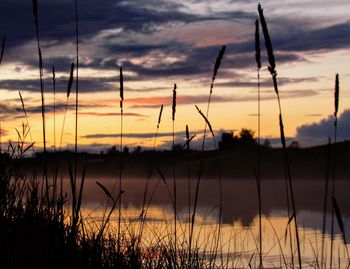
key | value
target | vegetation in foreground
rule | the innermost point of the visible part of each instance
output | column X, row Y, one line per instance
column 41, row 228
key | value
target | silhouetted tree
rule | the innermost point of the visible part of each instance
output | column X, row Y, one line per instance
column 126, row 150
column 228, row 141
column 112, row 150
column 246, row 137
column 137, row 150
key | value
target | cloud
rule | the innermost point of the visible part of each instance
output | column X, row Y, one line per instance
column 165, row 138
column 264, row 83
column 139, row 135
column 327, row 38
column 320, row 131
column 154, row 102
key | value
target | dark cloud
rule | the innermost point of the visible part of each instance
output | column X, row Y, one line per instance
column 56, row 18
column 325, row 128
column 137, row 21
column 328, row 38
column 85, row 84
column 265, row 82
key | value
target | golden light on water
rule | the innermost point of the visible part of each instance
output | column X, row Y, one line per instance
column 238, row 244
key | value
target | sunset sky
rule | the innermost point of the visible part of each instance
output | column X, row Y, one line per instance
column 162, row 42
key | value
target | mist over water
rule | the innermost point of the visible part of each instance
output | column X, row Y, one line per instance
column 240, row 214
column 239, row 197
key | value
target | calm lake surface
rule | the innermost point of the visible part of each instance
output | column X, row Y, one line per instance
column 239, row 233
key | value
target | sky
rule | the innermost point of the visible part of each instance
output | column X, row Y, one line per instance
column 162, row 42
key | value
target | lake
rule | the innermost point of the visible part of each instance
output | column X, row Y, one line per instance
column 239, row 232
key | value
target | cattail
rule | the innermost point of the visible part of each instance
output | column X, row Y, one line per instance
column 336, row 95
column 174, row 102
column 160, row 116
column 70, row 81
column 217, row 66
column 2, row 48
column 257, row 45
column 268, row 44
column 121, row 87
column 206, row 120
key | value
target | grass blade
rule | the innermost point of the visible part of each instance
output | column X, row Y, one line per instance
column 70, row 81
column 206, row 120
column 2, row 48
column 339, row 218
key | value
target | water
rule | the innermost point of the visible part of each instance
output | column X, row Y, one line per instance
column 239, row 233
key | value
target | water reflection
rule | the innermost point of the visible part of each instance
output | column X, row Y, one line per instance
column 239, row 196
column 239, row 233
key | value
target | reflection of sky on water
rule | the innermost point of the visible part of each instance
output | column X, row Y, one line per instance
column 239, row 197
column 238, row 242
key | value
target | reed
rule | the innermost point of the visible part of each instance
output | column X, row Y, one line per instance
column 273, row 72
column 335, row 114
column 2, row 48
column 200, row 170
column 220, row 186
column 121, row 95
column 188, row 140
column 36, row 23
column 174, row 168
column 54, row 106
column 325, row 201
column 149, row 176
column 41, row 74
column 26, row 118
column 258, row 178
column 69, row 88
column 76, row 89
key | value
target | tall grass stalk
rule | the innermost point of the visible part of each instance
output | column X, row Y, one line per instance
column 325, row 202
column 220, row 186
column 69, row 88
column 121, row 95
column 1, row 56
column 189, row 189
column 2, row 48
column 258, row 63
column 76, row 88
column 200, row 170
column 36, row 22
column 27, row 121
column 335, row 114
column 41, row 74
column 174, row 174
column 144, row 208
column 273, row 72
column 54, row 106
